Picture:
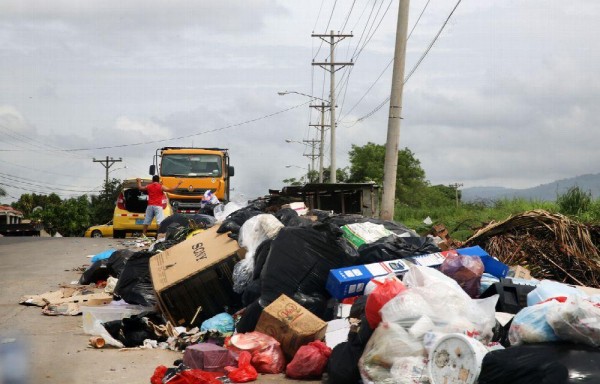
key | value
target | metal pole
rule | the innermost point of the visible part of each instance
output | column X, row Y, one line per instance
column 390, row 170
column 332, row 176
column 322, row 143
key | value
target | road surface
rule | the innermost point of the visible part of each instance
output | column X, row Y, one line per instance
column 55, row 348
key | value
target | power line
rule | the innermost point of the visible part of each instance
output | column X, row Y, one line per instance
column 387, row 66
column 174, row 138
column 414, row 67
column 19, row 180
column 348, row 16
column 50, row 172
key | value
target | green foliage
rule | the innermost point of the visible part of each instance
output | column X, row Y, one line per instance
column 574, row 202
column 70, row 217
column 103, row 205
column 367, row 164
column 28, row 202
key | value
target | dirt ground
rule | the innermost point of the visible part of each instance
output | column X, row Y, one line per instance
column 54, row 349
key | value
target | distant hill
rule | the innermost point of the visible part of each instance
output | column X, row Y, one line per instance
column 545, row 192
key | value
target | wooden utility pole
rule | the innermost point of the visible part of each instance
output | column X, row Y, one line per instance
column 109, row 162
column 333, row 68
column 390, row 169
column 322, row 141
column 456, row 186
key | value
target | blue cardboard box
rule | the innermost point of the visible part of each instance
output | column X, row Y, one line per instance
column 351, row 281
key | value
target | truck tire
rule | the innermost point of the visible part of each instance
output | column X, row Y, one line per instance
column 119, row 234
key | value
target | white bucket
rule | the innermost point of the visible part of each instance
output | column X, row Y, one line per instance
column 456, row 359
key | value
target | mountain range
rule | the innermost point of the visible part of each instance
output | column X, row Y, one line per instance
column 545, row 192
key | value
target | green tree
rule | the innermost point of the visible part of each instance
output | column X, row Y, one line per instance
column 103, row 205
column 367, row 163
column 70, row 217
column 27, row 202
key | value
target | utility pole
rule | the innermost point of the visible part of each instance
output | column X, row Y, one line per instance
column 322, row 141
column 311, row 155
column 333, row 40
column 109, row 162
column 456, row 186
column 390, row 169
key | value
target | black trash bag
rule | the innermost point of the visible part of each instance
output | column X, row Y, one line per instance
column 343, row 368
column 512, row 297
column 236, row 219
column 357, row 310
column 208, row 209
column 135, row 285
column 116, row 262
column 132, row 331
column 394, row 247
column 98, row 271
column 320, row 214
column 260, row 257
column 164, row 245
column 543, row 363
column 300, row 259
column 251, row 292
column 316, row 303
column 187, row 221
column 340, row 220
column 285, row 215
column 249, row 319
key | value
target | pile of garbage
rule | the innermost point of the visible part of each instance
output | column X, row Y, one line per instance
column 265, row 288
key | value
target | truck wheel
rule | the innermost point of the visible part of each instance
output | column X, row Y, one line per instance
column 96, row 233
column 119, row 234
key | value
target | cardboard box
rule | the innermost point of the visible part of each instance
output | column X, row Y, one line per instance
column 519, row 272
column 291, row 324
column 351, row 281
column 193, row 279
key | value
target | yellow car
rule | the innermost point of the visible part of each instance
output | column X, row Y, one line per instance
column 130, row 210
column 104, row 230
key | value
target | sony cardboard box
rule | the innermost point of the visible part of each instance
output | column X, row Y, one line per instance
column 291, row 324
column 193, row 279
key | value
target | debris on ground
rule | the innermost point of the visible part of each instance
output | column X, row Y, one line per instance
column 266, row 288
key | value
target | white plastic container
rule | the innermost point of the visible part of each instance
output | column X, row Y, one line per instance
column 115, row 310
column 456, row 359
column 547, row 289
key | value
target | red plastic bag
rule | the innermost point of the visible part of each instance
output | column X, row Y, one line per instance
column 466, row 270
column 267, row 356
column 309, row 362
column 245, row 372
column 188, row 376
column 383, row 293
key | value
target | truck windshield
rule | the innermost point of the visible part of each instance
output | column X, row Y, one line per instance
column 191, row 165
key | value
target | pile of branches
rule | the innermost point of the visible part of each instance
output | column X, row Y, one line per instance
column 550, row 245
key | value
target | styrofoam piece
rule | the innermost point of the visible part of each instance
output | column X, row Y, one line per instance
column 456, row 359
column 103, row 313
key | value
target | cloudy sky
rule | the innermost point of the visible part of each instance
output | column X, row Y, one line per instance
column 505, row 97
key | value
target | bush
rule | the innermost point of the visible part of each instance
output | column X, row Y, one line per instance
column 574, row 202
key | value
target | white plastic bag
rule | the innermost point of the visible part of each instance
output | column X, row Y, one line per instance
column 252, row 233
column 222, row 211
column 530, row 325
column 577, row 320
column 388, row 343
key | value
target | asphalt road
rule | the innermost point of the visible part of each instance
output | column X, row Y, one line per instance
column 55, row 348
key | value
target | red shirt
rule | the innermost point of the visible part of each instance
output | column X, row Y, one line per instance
column 155, row 194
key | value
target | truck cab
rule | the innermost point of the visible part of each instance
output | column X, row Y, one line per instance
column 200, row 169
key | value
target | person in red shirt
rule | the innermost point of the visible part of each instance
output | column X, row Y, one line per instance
column 155, row 196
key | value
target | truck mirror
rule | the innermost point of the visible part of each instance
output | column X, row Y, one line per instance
column 231, row 171
column 152, row 169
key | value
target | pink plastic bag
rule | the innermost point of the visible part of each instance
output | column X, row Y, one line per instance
column 309, row 362
column 267, row 355
column 466, row 270
column 383, row 293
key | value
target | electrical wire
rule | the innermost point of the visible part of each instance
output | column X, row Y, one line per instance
column 412, row 71
column 43, row 171
column 175, row 138
column 18, row 179
column 348, row 16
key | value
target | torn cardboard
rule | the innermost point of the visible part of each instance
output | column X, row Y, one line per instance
column 291, row 324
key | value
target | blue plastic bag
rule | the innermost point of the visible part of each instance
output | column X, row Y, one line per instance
column 223, row 322
column 103, row 255
column 531, row 326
